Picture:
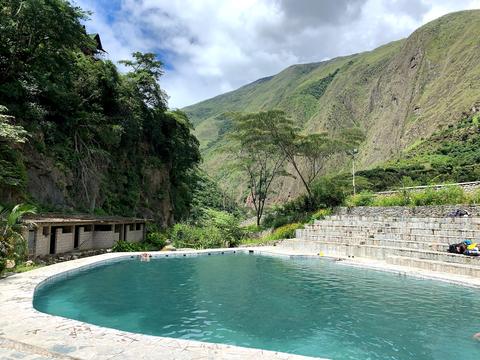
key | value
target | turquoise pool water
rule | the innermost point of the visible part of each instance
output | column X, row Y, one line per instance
column 311, row 307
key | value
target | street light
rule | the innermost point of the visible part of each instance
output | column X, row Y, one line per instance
column 353, row 152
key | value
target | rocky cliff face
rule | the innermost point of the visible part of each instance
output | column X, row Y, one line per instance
column 397, row 94
column 57, row 189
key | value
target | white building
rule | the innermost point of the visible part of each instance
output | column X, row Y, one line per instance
column 51, row 234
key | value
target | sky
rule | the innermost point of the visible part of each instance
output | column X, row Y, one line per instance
column 209, row 47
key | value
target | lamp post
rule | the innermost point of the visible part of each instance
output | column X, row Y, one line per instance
column 353, row 152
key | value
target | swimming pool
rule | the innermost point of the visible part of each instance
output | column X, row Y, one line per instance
column 304, row 306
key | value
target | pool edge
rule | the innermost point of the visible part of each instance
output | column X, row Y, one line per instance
column 21, row 322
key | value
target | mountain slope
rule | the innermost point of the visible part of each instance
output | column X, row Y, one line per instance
column 398, row 93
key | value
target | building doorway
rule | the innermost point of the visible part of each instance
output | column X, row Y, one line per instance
column 76, row 238
column 53, row 239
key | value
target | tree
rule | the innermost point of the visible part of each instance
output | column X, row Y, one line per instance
column 307, row 154
column 147, row 70
column 12, row 243
column 38, row 40
column 256, row 156
column 10, row 134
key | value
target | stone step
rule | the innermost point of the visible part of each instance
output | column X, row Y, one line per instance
column 445, row 239
column 393, row 230
column 442, row 220
column 405, row 222
column 358, row 240
column 439, row 266
column 397, row 237
column 424, row 230
column 377, row 252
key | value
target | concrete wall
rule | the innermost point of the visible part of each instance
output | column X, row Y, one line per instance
column 43, row 242
column 64, row 240
column 134, row 235
column 85, row 238
column 105, row 239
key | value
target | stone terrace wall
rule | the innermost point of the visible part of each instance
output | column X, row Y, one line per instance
column 405, row 211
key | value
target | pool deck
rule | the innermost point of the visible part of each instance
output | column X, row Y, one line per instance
column 29, row 334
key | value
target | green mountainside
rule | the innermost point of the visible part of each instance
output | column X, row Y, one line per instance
column 399, row 94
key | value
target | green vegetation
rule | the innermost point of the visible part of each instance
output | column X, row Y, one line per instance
column 156, row 239
column 23, row 267
column 370, row 92
column 214, row 229
column 256, row 156
column 103, row 141
column 13, row 246
column 284, row 232
column 449, row 155
column 451, row 195
column 327, row 193
column 318, row 88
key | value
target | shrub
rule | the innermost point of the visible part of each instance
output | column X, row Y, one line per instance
column 190, row 236
column 156, row 239
column 125, row 246
column 397, row 199
column 320, row 214
column 227, row 224
column 13, row 246
column 450, row 195
column 284, row 232
column 474, row 198
column 327, row 193
column 364, row 198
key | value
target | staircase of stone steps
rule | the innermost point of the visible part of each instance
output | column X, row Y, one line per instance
column 408, row 241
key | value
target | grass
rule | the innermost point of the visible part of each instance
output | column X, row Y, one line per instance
column 451, row 195
column 23, row 267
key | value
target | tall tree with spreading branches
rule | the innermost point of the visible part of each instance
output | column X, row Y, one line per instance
column 257, row 157
column 306, row 153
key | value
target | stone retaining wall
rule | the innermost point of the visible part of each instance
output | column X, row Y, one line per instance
column 404, row 211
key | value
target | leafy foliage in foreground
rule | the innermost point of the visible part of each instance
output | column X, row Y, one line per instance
column 13, row 245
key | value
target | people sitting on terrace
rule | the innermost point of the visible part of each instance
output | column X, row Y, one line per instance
column 466, row 247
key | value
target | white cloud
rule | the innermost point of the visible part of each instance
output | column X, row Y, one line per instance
column 215, row 46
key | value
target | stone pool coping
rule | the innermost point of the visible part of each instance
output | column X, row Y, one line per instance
column 23, row 327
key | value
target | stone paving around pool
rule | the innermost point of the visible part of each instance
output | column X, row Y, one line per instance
column 26, row 333
column 64, row 338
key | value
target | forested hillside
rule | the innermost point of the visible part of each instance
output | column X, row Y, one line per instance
column 399, row 95
column 78, row 135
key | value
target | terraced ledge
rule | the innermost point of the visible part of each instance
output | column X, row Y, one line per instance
column 29, row 333
column 390, row 264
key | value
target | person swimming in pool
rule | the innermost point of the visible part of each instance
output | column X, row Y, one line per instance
column 477, row 336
